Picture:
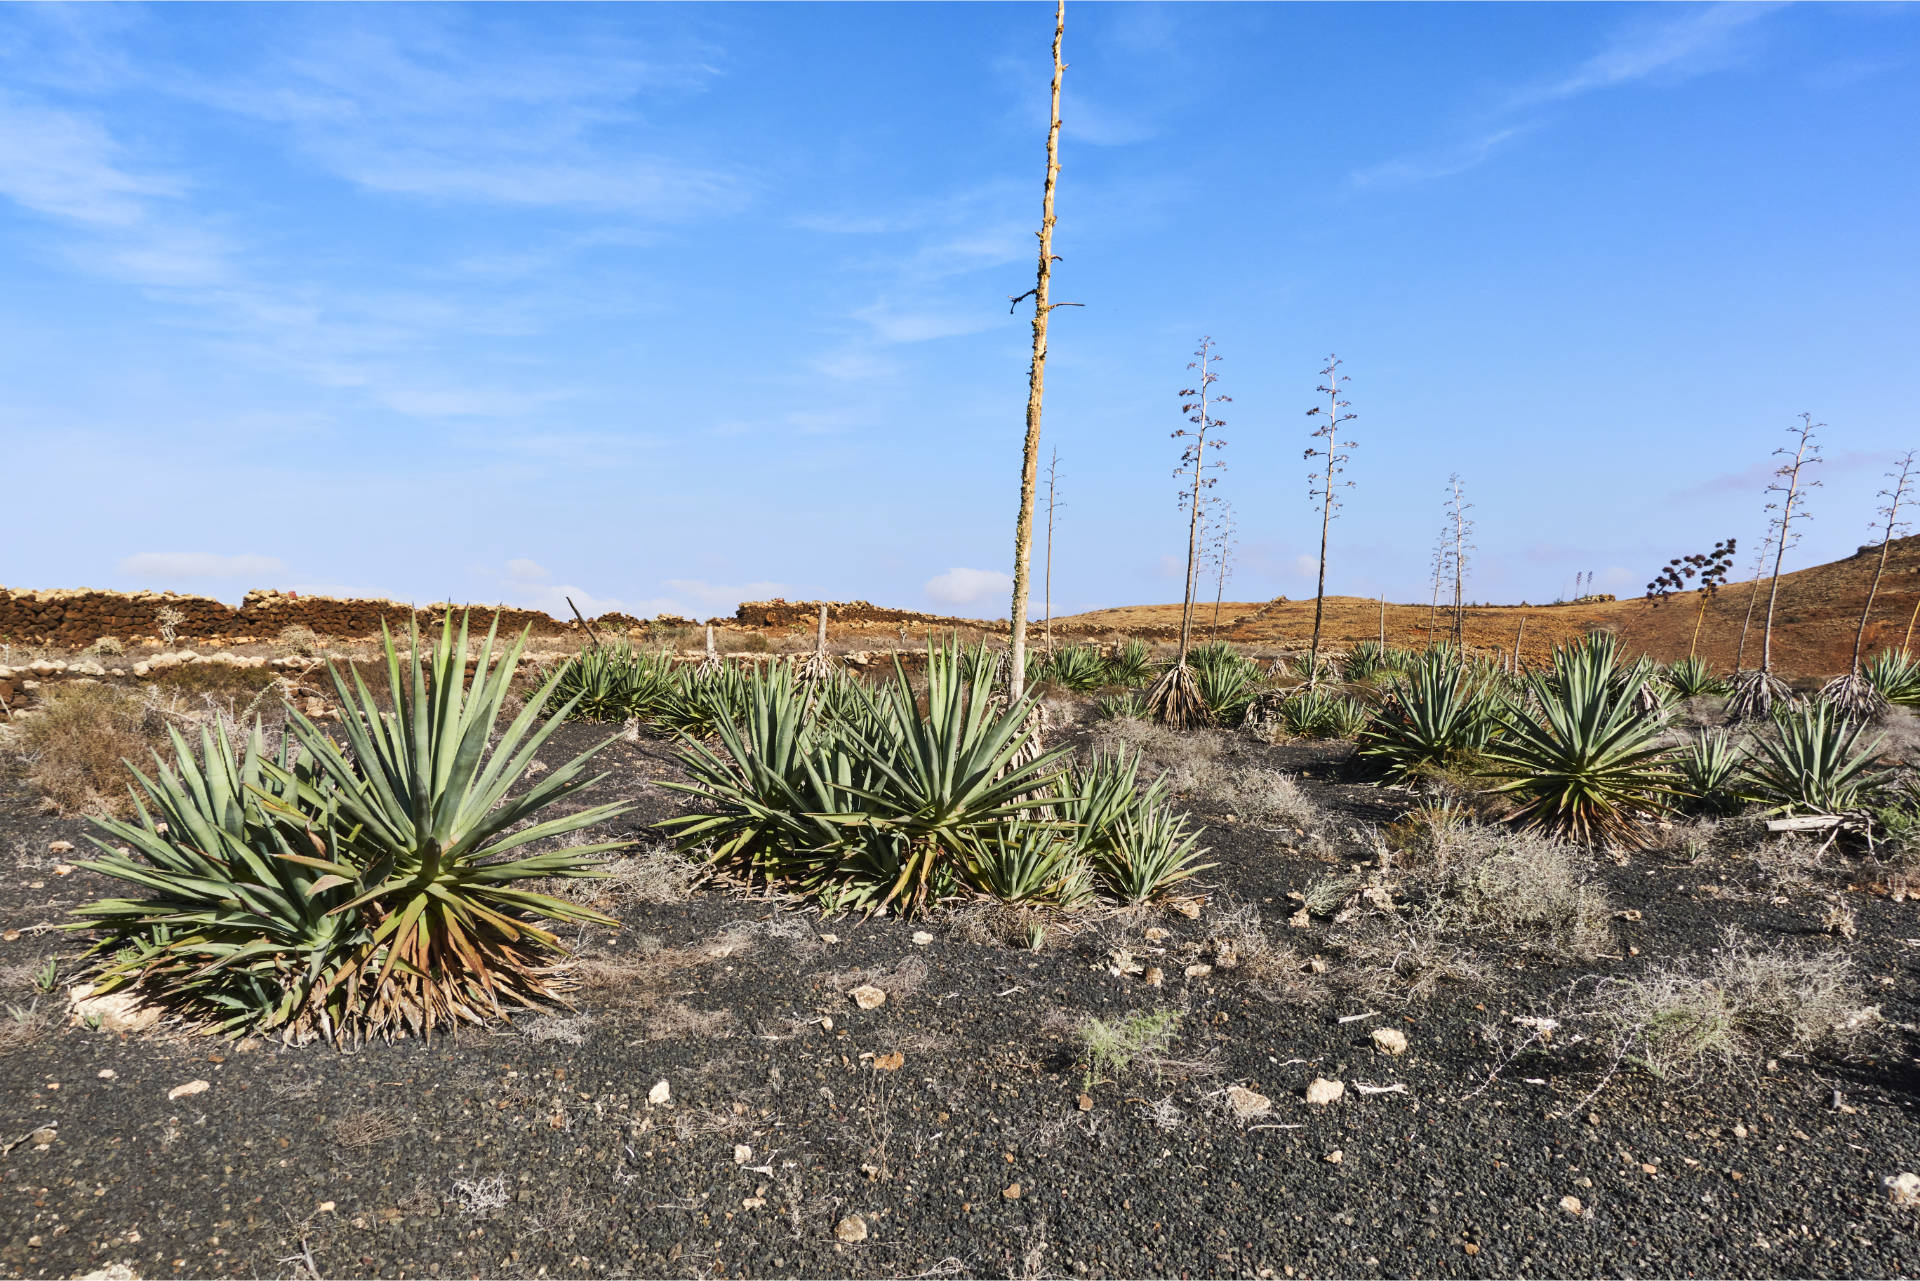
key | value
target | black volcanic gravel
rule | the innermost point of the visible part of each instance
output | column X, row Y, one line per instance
column 533, row 1150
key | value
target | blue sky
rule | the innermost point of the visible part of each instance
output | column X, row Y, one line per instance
column 665, row 307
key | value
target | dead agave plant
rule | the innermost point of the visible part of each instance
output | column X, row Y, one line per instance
column 1857, row 697
column 819, row 665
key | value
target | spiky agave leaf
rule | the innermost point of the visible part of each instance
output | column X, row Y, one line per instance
column 1131, row 663
column 237, row 925
column 1436, row 716
column 1711, row 764
column 1152, row 850
column 1691, row 677
column 1816, row 763
column 947, row 776
column 1896, row 676
column 423, row 799
column 1581, row 758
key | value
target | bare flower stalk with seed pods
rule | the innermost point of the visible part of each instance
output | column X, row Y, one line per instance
column 1175, row 697
column 1712, row 566
column 1754, row 693
column 1852, row 692
column 1324, row 484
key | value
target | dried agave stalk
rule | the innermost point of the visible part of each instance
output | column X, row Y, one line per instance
column 818, row 666
column 1856, row 697
column 1751, row 695
column 711, row 663
column 1175, row 699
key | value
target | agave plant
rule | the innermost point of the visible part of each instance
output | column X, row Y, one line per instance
column 702, row 699
column 1027, row 862
column 1711, row 765
column 1896, row 676
column 1346, row 718
column 1816, row 764
column 944, row 778
column 1364, row 661
column 1227, row 689
column 1077, row 667
column 1151, row 851
column 356, row 890
column 1580, row 757
column 1125, row 706
column 1433, row 718
column 1855, row 697
column 766, row 788
column 612, row 682
column 1131, row 664
column 1690, row 677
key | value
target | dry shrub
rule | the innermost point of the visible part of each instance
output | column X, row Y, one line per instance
column 1787, row 862
column 76, row 748
column 1490, row 887
column 1190, row 759
column 671, row 1020
column 1523, row 887
column 658, row 875
column 1274, row 971
column 1745, row 1002
column 367, row 1128
column 567, row 1029
column 903, row 979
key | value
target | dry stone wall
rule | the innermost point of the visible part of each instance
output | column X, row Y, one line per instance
column 75, row 618
column 854, row 613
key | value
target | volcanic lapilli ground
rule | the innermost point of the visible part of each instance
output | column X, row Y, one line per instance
column 532, row 1149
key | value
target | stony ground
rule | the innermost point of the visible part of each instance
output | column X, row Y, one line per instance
column 718, row 1105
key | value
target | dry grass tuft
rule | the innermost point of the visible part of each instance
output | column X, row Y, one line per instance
column 1275, row 971
column 76, row 748
column 658, row 875
column 367, row 1128
column 672, row 1020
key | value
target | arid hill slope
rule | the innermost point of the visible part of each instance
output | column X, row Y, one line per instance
column 1812, row 636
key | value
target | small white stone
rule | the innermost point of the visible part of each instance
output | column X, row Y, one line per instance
column 190, row 1088
column 742, row 1154
column 1903, row 1189
column 868, row 997
column 850, row 1229
column 921, row 938
column 1389, row 1040
column 1571, row 1204
column 660, row 1094
column 1321, row 1091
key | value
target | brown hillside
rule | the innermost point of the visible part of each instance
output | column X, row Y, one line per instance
column 1812, row 636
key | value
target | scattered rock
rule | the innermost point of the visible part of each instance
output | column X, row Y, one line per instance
column 1300, row 920
column 660, row 1094
column 851, row 1229
column 1321, row 1091
column 1199, row 970
column 921, row 938
column 1086, row 1103
column 742, row 1154
column 1389, row 1040
column 1157, row 935
column 889, row 1062
column 829, row 938
column 868, row 997
column 113, row 1272
column 1571, row 1204
column 1335, row 1157
column 1247, row 1104
column 113, row 1012
column 1011, row 1192
column 1903, row 1189
column 63, row 869
column 106, row 1074
column 1317, row 964
column 1154, row 977
column 43, row 1136
column 189, row 1089
column 60, row 847
column 1187, row 907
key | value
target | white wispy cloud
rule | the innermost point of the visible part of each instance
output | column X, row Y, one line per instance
column 968, row 586
column 1666, row 49
column 160, row 567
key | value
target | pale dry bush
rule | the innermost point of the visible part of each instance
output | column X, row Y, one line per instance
column 567, row 1029
column 672, row 1020
column 658, row 875
column 1491, row 888
column 367, row 1128
column 1275, row 971
column 1747, row 1001
column 77, row 747
column 1190, row 759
